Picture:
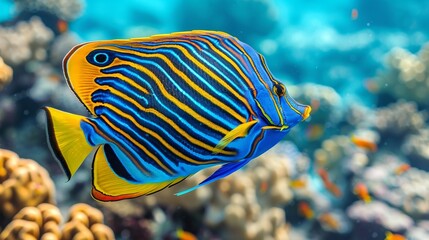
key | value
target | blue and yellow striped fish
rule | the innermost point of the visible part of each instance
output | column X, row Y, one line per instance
column 166, row 107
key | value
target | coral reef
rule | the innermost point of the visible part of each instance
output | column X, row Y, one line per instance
column 66, row 9
column 399, row 119
column 44, row 222
column 377, row 217
column 246, row 205
column 86, row 222
column 416, row 149
column 25, row 41
column 419, row 232
column 6, row 73
column 250, row 204
column 336, row 68
column 61, row 45
column 406, row 191
column 325, row 102
column 41, row 222
column 27, row 198
column 407, row 75
column 332, row 151
column 23, row 183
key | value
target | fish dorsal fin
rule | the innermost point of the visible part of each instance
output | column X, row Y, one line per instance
column 224, row 171
column 238, row 132
column 107, row 186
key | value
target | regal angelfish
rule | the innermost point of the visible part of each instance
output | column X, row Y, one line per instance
column 165, row 107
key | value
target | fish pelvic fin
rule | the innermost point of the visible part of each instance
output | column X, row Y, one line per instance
column 66, row 139
column 108, row 186
column 240, row 131
column 223, row 171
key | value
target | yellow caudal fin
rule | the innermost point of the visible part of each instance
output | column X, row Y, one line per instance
column 240, row 131
column 66, row 139
column 107, row 186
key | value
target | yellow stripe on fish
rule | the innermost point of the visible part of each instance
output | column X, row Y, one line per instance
column 167, row 106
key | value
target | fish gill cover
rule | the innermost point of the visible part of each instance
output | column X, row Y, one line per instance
column 357, row 169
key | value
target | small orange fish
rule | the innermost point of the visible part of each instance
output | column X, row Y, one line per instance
column 330, row 186
column 328, row 220
column 372, row 86
column 334, row 189
column 298, row 183
column 54, row 78
column 62, row 26
column 391, row 236
column 314, row 131
column 402, row 168
column 184, row 235
column 361, row 191
column 263, row 187
column 363, row 143
column 323, row 175
column 315, row 104
column 355, row 14
column 305, row 210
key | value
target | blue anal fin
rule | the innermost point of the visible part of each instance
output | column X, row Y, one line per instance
column 224, row 171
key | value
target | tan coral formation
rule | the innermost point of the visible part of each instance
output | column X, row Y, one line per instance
column 407, row 191
column 86, row 222
column 25, row 41
column 400, row 118
column 416, row 148
column 407, row 75
column 44, row 222
column 23, row 183
column 247, row 204
column 6, row 73
column 41, row 222
column 65, row 9
column 250, row 202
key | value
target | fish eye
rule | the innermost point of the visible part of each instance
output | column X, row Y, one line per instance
column 279, row 89
column 100, row 58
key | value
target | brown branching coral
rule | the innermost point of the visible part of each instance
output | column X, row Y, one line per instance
column 23, row 183
column 43, row 222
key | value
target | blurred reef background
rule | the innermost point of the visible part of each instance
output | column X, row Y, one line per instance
column 359, row 169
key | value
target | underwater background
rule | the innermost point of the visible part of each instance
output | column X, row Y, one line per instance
column 358, row 169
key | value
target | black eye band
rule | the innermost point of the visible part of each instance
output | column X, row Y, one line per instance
column 100, row 58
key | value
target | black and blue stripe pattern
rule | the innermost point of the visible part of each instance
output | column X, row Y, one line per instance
column 163, row 103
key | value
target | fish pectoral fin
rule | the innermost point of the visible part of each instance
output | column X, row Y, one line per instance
column 107, row 186
column 223, row 171
column 240, row 131
column 66, row 139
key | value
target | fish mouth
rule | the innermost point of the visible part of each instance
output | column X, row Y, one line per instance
column 304, row 116
column 306, row 113
column 274, row 127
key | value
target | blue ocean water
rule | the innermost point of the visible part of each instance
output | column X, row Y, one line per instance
column 310, row 41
